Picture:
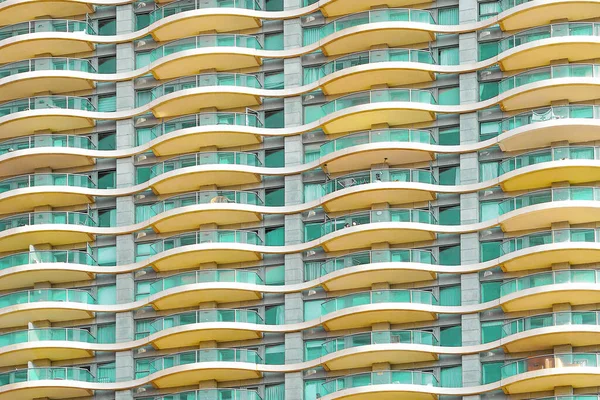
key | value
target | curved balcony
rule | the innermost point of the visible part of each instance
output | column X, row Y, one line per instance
column 542, row 249
column 58, row 37
column 576, row 204
column 359, row 111
column 333, row 8
column 360, row 71
column 55, row 113
column 188, row 289
column 22, row 270
column 50, row 382
column 532, row 14
column 363, row 189
column 539, row 373
column 26, row 192
column 213, row 16
column 190, row 367
column 576, row 164
column 218, row 52
column 363, row 149
column 190, row 172
column 14, row 11
column 365, row 349
column 395, row 27
column 181, row 213
column 192, row 327
column 214, row 394
column 221, row 246
column 541, row 86
column 362, row 229
column 55, row 344
column 542, row 290
column 220, row 129
column 54, row 305
column 382, row 385
column 45, row 74
column 56, row 228
column 26, row 154
column 220, row 90
column 363, row 269
column 364, row 309
column 576, row 328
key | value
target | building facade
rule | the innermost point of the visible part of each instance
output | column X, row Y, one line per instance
column 299, row 199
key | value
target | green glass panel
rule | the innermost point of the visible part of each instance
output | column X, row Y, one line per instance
column 490, row 250
column 489, row 210
column 107, row 65
column 450, row 255
column 274, row 119
column 449, row 176
column 312, row 309
column 490, row 291
column 106, row 256
column 487, row 50
column 107, row 294
column 275, row 315
column 451, row 376
column 449, row 216
column 275, row 237
column 275, row 355
column 275, row 275
column 449, row 96
column 107, row 180
column 487, row 90
column 274, row 5
column 450, row 296
column 451, row 336
column 491, row 331
column 107, row 27
column 274, row 42
column 107, row 141
column 449, row 136
column 275, row 158
column 275, row 197
column 491, row 372
column 312, row 349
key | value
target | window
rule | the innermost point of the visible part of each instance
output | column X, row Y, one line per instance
column 275, row 197
column 143, row 212
column 107, row 65
column 107, row 180
column 143, row 97
column 312, row 113
column 451, row 376
column 107, row 294
column 312, row 231
column 491, row 372
column 107, row 27
column 275, row 392
column 142, row 368
column 448, row 16
column 491, row 331
column 274, row 5
column 106, row 256
column 274, row 81
column 142, row 21
column 275, row 158
column 142, row 289
column 142, row 174
column 488, row 170
column 449, row 96
column 107, row 141
column 489, row 130
column 275, row 355
column 143, row 251
column 275, row 315
column 314, row 389
column 143, row 135
column 107, row 103
column 312, row 191
column 450, row 255
column 312, row 309
column 450, row 216
column 274, row 119
column 275, row 275
column 448, row 56
column 106, row 333
column 489, row 210
column 106, row 373
column 489, row 250
column 451, row 336
column 312, row 349
column 450, row 296
column 487, row 10
column 487, row 90
column 487, row 50
column 490, row 291
column 274, row 41
column 107, row 217
column 275, row 236
column 449, row 176
column 449, row 136
column 142, row 59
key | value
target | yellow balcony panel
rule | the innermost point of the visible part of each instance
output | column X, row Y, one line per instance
column 27, row 199
column 28, row 84
column 360, row 317
column 222, row 254
column 51, row 389
column 365, row 156
column 25, row 122
column 362, row 277
column 542, row 13
column 20, row 238
column 192, row 374
column 192, row 336
column 191, row 179
column 365, row 236
column 28, row 160
column 544, row 93
column 54, row 43
column 21, row 353
column 546, row 296
column 334, row 8
column 192, row 61
column 223, row 20
column 576, row 336
column 192, row 217
column 27, row 276
column 15, row 11
column 20, row 315
column 545, row 174
column 192, row 295
column 382, row 392
column 366, row 356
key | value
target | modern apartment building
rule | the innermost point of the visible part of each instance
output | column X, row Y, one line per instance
column 299, row 199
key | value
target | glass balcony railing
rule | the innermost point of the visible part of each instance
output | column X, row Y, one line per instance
column 46, row 25
column 549, row 195
column 47, row 256
column 201, row 316
column 377, row 176
column 206, row 197
column 551, row 72
column 42, row 295
column 47, row 64
column 205, row 80
column 380, row 378
column 375, row 216
column 203, row 41
column 550, row 278
column 206, row 119
column 565, row 318
column 207, row 158
column 377, row 256
column 571, row 360
column 213, row 394
column 205, row 355
column 378, row 337
column 206, row 276
column 54, row 179
column 368, row 17
column 46, row 102
column 548, row 155
column 46, row 334
column 371, row 57
column 378, row 136
column 210, row 236
column 48, row 373
column 549, row 114
column 46, row 217
column 39, row 141
column 180, row 6
column 378, row 297
column 580, row 235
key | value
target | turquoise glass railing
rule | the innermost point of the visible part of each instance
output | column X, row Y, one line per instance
column 581, row 235
column 46, row 334
column 371, row 57
column 205, row 158
column 213, row 394
column 380, row 378
column 46, row 102
column 46, row 25
column 206, row 276
column 571, row 360
column 46, row 64
column 378, row 136
column 549, row 114
column 375, row 176
column 378, row 297
column 46, row 217
column 206, row 197
column 549, row 195
column 204, row 80
column 553, row 319
column 202, row 41
column 371, row 217
column 43, row 374
column 548, row 155
column 180, row 6
column 551, row 72
column 47, row 256
column 54, row 179
column 205, row 355
column 367, row 17
column 378, row 337
column 209, row 236
column 38, row 141
column 372, row 97
column 53, row 295
column 377, row 256
column 550, row 278
column 200, row 316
